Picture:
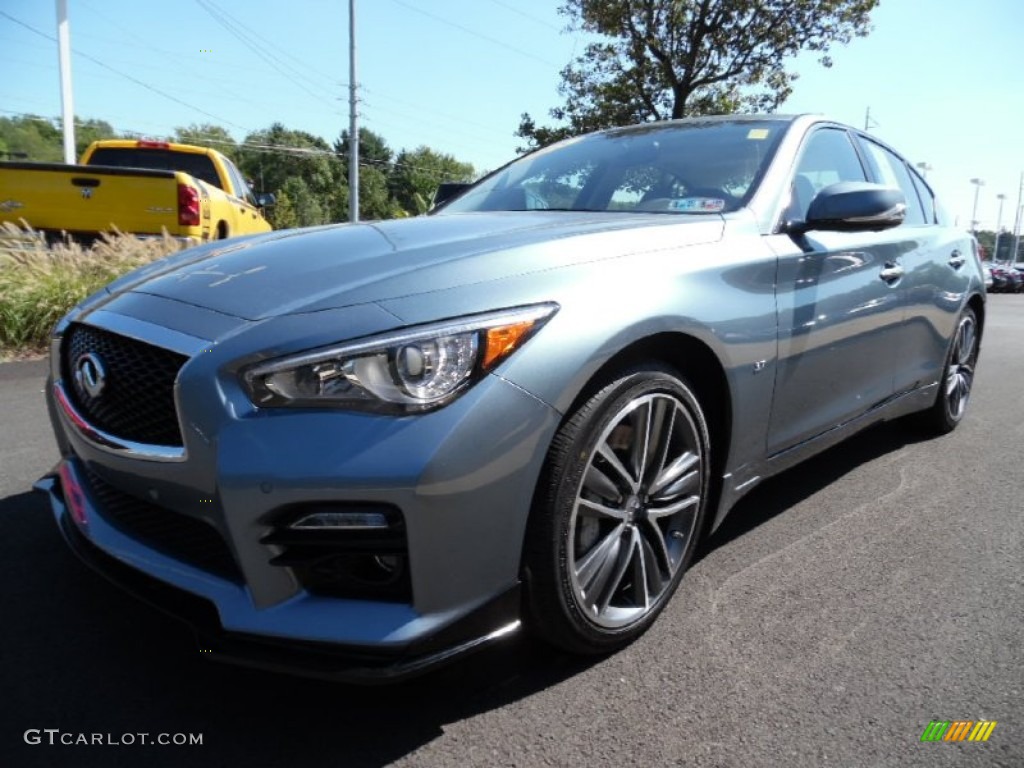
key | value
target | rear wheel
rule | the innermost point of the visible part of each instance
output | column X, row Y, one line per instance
column 617, row 515
column 957, row 379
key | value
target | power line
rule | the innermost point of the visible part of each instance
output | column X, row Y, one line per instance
column 135, row 80
column 526, row 15
column 276, row 63
column 473, row 32
column 271, row 44
column 175, row 56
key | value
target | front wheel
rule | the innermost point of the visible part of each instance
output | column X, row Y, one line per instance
column 618, row 512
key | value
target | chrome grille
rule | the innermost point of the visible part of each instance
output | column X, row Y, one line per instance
column 137, row 398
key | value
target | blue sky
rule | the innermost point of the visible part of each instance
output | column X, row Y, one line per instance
column 942, row 79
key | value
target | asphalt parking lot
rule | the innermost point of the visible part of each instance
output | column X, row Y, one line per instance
column 844, row 606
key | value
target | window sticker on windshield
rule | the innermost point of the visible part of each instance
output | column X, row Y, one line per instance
column 757, row 133
column 697, row 204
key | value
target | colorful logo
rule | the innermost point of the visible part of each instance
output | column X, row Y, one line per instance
column 958, row 730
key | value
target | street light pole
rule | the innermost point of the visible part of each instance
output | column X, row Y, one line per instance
column 924, row 168
column 1016, row 236
column 999, row 224
column 978, row 184
column 1017, row 219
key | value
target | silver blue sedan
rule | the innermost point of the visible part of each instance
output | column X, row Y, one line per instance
column 361, row 450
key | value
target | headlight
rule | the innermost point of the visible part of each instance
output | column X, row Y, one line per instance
column 414, row 369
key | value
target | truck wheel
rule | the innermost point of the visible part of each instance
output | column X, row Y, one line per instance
column 222, row 230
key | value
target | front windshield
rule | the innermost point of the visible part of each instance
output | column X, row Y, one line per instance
column 681, row 168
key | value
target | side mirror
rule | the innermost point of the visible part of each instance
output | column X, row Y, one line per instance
column 854, row 206
column 265, row 199
column 449, row 190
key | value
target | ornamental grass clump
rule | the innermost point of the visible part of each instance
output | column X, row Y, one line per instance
column 41, row 282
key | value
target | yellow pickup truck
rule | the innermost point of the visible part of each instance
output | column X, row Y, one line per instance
column 143, row 187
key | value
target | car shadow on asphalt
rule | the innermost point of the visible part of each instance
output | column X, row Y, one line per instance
column 82, row 656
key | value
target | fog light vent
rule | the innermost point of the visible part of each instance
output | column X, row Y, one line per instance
column 356, row 551
column 345, row 521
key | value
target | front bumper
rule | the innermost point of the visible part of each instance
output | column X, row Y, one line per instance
column 200, row 608
column 490, row 623
column 462, row 478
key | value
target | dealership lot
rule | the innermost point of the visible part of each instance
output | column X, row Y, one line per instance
column 844, row 606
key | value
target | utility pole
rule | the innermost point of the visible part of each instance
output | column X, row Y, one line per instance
column 999, row 223
column 868, row 122
column 1017, row 221
column 353, row 122
column 64, row 57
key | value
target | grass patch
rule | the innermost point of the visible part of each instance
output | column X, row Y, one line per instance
column 40, row 283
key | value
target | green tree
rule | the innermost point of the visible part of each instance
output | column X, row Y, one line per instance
column 373, row 150
column 416, row 175
column 208, row 135
column 88, row 131
column 277, row 155
column 661, row 59
column 32, row 138
column 375, row 200
column 302, row 207
column 282, row 215
column 375, row 155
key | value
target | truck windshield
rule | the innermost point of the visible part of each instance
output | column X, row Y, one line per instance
column 698, row 167
column 199, row 166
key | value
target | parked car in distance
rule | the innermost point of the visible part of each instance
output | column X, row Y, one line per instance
column 987, row 271
column 1016, row 278
column 359, row 451
column 1000, row 280
column 1005, row 279
column 143, row 187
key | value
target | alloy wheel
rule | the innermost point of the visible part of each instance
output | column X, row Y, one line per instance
column 960, row 371
column 635, row 510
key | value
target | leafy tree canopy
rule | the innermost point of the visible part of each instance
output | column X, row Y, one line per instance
column 208, row 135
column 32, row 138
column 661, row 59
column 417, row 174
column 373, row 150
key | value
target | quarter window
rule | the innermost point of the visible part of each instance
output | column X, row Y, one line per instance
column 927, row 198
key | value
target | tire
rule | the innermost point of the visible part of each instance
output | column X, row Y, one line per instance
column 957, row 378
column 614, row 525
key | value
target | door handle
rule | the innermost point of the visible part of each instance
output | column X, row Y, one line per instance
column 956, row 259
column 891, row 272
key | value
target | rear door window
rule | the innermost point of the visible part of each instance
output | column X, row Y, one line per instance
column 892, row 171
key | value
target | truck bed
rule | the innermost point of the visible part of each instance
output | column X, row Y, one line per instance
column 86, row 200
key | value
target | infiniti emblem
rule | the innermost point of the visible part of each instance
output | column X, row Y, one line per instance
column 90, row 374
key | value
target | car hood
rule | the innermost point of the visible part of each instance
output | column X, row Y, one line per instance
column 330, row 267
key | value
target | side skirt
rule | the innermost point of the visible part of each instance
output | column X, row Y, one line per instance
column 735, row 485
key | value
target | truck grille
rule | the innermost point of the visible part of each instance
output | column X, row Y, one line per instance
column 182, row 537
column 136, row 401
